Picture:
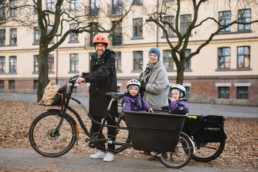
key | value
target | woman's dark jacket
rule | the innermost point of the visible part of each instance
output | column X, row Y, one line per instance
column 102, row 79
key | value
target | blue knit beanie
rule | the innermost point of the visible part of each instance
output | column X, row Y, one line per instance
column 156, row 51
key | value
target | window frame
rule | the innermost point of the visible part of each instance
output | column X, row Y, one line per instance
column 51, row 63
column 138, row 28
column 188, row 63
column 185, row 23
column 2, row 10
column 13, row 64
column 118, row 61
column 35, row 64
column 74, row 4
column 2, row 37
column 94, row 27
column 137, row 60
column 74, row 37
column 95, row 10
column 74, row 62
column 137, row 2
column 11, row 84
column 1, row 84
column 222, row 56
column 169, row 19
column 13, row 8
column 36, row 35
column 223, row 92
column 244, row 57
column 117, row 33
column 224, row 19
column 243, row 18
column 13, row 36
column 2, row 64
column 50, row 5
column 167, row 58
column 117, row 7
column 245, row 94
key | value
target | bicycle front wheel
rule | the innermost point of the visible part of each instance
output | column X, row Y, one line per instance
column 52, row 134
column 208, row 151
column 181, row 155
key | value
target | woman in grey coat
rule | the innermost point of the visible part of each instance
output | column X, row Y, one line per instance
column 154, row 80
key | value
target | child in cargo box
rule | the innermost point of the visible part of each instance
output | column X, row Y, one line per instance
column 178, row 104
column 132, row 100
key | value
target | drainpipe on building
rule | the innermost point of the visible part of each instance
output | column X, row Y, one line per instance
column 157, row 38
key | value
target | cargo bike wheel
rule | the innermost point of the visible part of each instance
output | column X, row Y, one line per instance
column 208, row 151
column 52, row 134
column 181, row 155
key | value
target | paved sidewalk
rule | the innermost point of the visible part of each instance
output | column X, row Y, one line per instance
column 29, row 160
column 195, row 108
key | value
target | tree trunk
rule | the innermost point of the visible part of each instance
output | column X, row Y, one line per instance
column 180, row 74
column 43, row 71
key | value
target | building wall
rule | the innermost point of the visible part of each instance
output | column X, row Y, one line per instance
column 203, row 79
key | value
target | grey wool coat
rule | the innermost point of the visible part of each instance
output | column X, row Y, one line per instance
column 157, row 88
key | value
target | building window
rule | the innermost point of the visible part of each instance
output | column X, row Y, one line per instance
column 117, row 7
column 168, row 60
column 168, row 0
column 187, row 63
column 243, row 57
column 50, row 5
column 73, row 35
column 242, row 92
column 35, row 11
column 13, row 64
column 12, row 85
column 223, row 92
column 2, row 64
column 2, row 10
column 13, row 36
column 74, row 5
column 13, row 8
column 1, row 85
column 187, row 92
column 137, row 2
column 118, row 61
column 51, row 63
column 137, row 28
column 225, row 19
column 244, row 16
column 36, row 35
column 185, row 22
column 117, row 33
column 94, row 29
column 36, row 64
column 170, row 21
column 49, row 29
column 137, row 60
column 2, row 37
column 94, row 7
column 224, row 58
column 35, row 84
column 74, row 62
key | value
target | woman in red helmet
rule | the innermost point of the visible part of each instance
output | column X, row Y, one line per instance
column 102, row 79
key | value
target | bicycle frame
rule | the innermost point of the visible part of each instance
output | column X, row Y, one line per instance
column 65, row 107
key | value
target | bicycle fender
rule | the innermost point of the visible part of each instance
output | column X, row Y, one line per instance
column 68, row 116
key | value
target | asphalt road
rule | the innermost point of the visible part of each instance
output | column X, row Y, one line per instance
column 205, row 109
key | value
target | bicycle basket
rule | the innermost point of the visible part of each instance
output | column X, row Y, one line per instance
column 207, row 128
column 157, row 132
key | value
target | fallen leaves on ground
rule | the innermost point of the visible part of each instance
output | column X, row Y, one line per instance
column 241, row 150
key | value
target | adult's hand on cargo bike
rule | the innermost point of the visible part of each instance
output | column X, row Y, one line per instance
column 150, row 110
column 80, row 80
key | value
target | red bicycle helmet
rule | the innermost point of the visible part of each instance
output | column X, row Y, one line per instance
column 100, row 38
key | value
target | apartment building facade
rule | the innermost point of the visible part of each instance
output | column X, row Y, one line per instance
column 225, row 71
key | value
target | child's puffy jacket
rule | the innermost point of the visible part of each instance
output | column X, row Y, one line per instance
column 178, row 107
column 134, row 103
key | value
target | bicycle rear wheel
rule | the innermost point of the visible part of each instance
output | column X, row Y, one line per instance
column 181, row 155
column 47, row 138
column 208, row 151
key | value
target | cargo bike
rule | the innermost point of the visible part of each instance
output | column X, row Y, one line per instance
column 54, row 132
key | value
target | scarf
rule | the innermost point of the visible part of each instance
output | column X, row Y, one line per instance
column 146, row 73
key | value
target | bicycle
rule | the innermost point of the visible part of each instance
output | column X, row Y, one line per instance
column 54, row 132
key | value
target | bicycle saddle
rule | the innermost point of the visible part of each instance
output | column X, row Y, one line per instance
column 116, row 96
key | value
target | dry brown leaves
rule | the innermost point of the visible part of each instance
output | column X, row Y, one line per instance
column 241, row 149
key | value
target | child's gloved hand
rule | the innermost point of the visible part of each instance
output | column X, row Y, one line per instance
column 150, row 110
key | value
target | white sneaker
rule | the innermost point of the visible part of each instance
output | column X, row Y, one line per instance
column 109, row 157
column 100, row 154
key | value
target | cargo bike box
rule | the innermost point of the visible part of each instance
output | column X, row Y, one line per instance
column 158, row 132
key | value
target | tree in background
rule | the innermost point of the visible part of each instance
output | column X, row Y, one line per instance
column 54, row 18
column 179, row 23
